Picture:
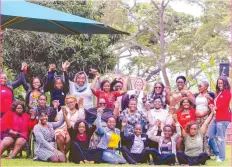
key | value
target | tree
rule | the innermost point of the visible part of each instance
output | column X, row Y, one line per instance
column 41, row 49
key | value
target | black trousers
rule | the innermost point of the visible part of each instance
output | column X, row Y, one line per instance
column 77, row 154
column 184, row 159
column 163, row 159
column 133, row 158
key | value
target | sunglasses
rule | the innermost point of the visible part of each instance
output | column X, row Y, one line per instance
column 158, row 87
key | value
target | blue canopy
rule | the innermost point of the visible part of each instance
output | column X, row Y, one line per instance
column 23, row 15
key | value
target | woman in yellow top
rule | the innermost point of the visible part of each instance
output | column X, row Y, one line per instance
column 109, row 141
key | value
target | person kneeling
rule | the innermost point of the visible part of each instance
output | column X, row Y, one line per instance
column 137, row 151
column 193, row 140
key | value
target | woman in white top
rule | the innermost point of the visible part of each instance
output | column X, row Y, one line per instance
column 80, row 86
column 139, row 93
column 203, row 99
column 74, row 112
column 157, row 117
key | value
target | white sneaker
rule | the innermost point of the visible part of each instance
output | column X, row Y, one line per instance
column 218, row 159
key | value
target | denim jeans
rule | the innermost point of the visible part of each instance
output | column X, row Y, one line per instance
column 112, row 156
column 216, row 133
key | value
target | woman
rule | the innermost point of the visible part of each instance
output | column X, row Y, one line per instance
column 139, row 93
column 117, row 85
column 174, row 98
column 132, row 116
column 42, row 107
column 80, row 86
column 185, row 114
column 157, row 114
column 75, row 112
column 203, row 100
column 137, row 151
column 110, row 97
column 15, row 126
column 109, row 141
column 6, row 92
column 219, row 124
column 158, row 90
column 193, row 141
column 167, row 144
column 56, row 85
column 80, row 137
column 45, row 140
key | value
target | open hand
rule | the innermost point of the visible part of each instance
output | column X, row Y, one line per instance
column 55, row 104
column 52, row 67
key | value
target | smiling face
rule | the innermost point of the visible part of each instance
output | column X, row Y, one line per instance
column 71, row 103
column 193, row 130
column 81, row 79
column 202, row 87
column 180, row 84
column 43, row 118
column 167, row 132
column 118, row 86
column 106, row 87
column 102, row 103
column 19, row 109
column 42, row 101
column 186, row 104
column 36, row 83
column 139, row 84
column 132, row 105
column 58, row 84
column 3, row 79
column 157, row 103
column 220, row 84
column 138, row 130
column 81, row 128
column 111, row 123
column 158, row 88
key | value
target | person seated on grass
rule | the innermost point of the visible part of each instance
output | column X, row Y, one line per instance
column 136, row 152
column 45, row 140
column 109, row 140
column 80, row 138
column 165, row 155
column 15, row 126
column 193, row 141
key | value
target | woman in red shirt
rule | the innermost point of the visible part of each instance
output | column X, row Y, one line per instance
column 15, row 126
column 105, row 93
column 6, row 92
column 219, row 124
column 185, row 115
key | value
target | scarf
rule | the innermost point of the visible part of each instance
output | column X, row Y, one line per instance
column 81, row 88
column 81, row 138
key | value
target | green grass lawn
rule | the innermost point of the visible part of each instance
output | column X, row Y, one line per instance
column 22, row 161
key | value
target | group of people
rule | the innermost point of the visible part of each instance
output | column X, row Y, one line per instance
column 125, row 126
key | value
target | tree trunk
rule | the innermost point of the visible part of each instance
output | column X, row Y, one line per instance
column 162, row 46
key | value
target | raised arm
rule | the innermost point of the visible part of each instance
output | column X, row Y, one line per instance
column 40, row 138
column 152, row 136
column 23, row 80
column 49, row 84
column 204, row 127
column 58, row 123
column 178, row 129
column 124, row 90
column 116, row 110
column 93, row 85
column 65, row 66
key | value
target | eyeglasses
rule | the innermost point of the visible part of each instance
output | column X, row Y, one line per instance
column 158, row 87
column 19, row 108
column 71, row 102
